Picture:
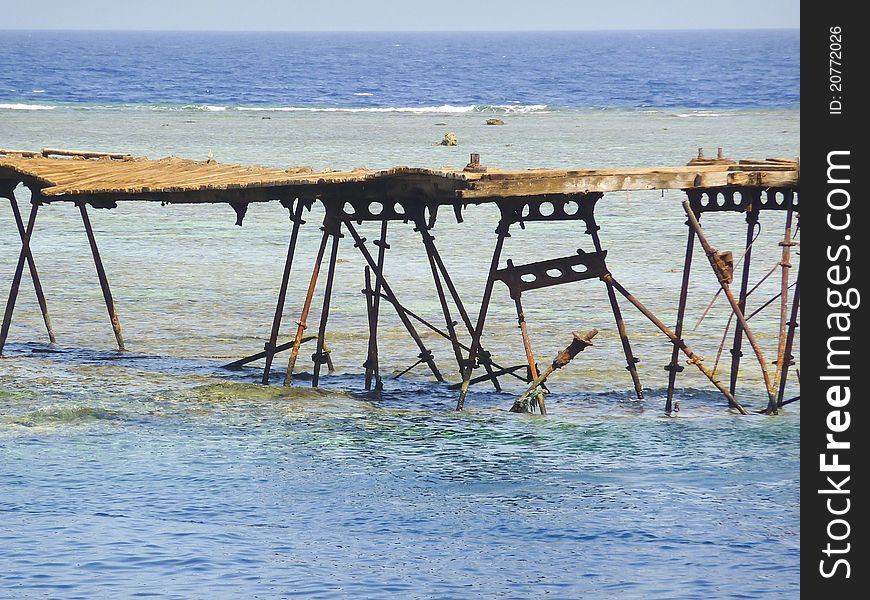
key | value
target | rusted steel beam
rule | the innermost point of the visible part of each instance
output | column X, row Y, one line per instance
column 537, row 275
column 502, row 231
column 302, row 323
column 31, row 265
column 16, row 278
column 319, row 357
column 785, row 263
column 296, row 216
column 101, row 275
column 425, row 355
column 715, row 262
column 674, row 366
column 630, row 359
column 694, row 359
column 787, row 358
column 736, row 348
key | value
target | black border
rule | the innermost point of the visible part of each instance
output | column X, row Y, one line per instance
column 821, row 133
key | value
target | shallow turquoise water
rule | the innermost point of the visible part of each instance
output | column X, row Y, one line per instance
column 155, row 472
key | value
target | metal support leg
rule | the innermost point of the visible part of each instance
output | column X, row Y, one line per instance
column 630, row 359
column 16, row 278
column 736, row 350
column 31, row 264
column 527, row 346
column 785, row 263
column 425, row 354
column 282, row 293
column 786, row 358
column 101, row 274
column 302, row 323
column 674, row 366
column 502, row 231
column 372, row 362
column 439, row 289
column 319, row 357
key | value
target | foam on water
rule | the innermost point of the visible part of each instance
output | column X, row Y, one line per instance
column 24, row 106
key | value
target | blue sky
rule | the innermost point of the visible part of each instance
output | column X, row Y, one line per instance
column 391, row 15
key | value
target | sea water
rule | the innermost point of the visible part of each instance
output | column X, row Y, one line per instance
column 156, row 472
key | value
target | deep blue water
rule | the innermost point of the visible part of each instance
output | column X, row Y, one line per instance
column 721, row 69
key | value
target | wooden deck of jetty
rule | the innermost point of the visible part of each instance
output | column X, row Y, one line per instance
column 412, row 194
column 65, row 175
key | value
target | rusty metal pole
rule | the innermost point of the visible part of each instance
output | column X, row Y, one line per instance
column 425, row 354
column 282, row 292
column 694, row 359
column 439, row 289
column 371, row 355
column 527, row 342
column 736, row 348
column 16, row 278
column 31, row 264
column 319, row 356
column 372, row 365
column 302, row 323
column 785, row 263
column 630, row 359
column 527, row 346
column 502, row 231
column 101, row 274
column 674, row 366
column 741, row 319
column 787, row 358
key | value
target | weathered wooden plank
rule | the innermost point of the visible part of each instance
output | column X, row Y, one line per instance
column 78, row 174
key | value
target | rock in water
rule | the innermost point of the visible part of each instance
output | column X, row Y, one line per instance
column 494, row 122
column 449, row 139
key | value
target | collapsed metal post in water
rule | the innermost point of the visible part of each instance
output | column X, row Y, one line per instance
column 580, row 342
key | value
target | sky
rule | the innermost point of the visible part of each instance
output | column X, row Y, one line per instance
column 392, row 15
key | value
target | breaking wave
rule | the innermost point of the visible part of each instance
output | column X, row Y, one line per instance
column 24, row 106
column 434, row 109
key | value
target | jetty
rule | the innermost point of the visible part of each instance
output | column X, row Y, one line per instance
column 413, row 196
